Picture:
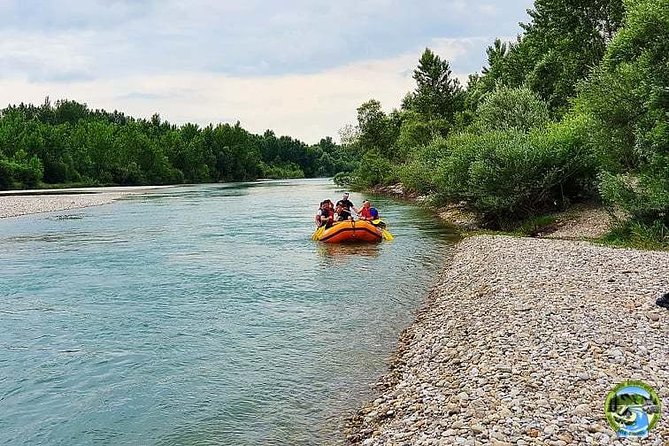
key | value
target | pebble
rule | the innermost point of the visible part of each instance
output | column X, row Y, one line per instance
column 17, row 205
column 519, row 344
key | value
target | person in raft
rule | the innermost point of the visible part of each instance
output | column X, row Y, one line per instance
column 370, row 214
column 339, row 213
column 347, row 206
column 367, row 212
column 325, row 214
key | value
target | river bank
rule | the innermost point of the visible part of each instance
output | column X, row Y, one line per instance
column 581, row 221
column 519, row 344
column 24, row 202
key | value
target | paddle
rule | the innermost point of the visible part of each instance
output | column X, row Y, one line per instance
column 386, row 235
column 319, row 232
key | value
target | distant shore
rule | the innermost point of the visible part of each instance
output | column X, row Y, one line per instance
column 519, row 344
column 24, row 202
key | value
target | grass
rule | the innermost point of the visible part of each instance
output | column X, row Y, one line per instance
column 541, row 224
column 638, row 236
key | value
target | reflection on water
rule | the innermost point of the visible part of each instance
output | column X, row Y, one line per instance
column 182, row 317
column 332, row 253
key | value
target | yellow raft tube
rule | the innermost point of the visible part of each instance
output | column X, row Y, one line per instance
column 349, row 231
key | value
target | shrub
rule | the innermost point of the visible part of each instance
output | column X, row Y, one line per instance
column 645, row 197
column 511, row 108
column 343, row 179
column 418, row 174
column 510, row 175
column 27, row 172
column 374, row 169
column 639, row 235
column 628, row 99
column 281, row 171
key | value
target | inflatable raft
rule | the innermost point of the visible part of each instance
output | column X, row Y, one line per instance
column 350, row 232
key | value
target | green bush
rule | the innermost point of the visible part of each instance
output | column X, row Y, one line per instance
column 644, row 197
column 418, row 175
column 21, row 171
column 374, row 169
column 6, row 174
column 639, row 235
column 612, row 102
column 282, row 171
column 628, row 101
column 415, row 132
column 509, row 175
column 511, row 108
column 343, row 179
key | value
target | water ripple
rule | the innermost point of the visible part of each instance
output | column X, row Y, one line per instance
column 177, row 318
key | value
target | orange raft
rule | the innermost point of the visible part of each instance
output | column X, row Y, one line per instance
column 352, row 232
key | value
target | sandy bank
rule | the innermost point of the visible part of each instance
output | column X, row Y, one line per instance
column 16, row 203
column 520, row 343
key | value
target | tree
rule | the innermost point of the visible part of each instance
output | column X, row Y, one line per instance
column 565, row 40
column 628, row 100
column 438, row 94
column 511, row 108
column 376, row 131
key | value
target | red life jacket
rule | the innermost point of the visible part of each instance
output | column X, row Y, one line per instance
column 366, row 213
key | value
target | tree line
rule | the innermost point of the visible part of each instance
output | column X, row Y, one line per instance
column 66, row 143
column 575, row 109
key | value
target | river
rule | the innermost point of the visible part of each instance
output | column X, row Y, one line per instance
column 200, row 315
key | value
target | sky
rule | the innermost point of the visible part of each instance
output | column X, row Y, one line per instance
column 298, row 67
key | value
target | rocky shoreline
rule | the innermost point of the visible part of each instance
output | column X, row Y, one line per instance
column 519, row 344
column 17, row 203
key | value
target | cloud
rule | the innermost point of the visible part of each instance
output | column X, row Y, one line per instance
column 253, row 37
column 307, row 106
column 39, row 57
column 300, row 67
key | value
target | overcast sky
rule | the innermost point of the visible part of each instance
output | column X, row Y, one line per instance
column 299, row 67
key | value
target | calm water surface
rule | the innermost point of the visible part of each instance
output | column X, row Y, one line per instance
column 201, row 315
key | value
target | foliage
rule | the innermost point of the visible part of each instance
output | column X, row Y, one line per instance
column 631, row 133
column 566, row 40
column 418, row 175
column 391, row 139
column 510, row 175
column 20, row 171
column 560, row 46
column 438, row 94
column 374, row 169
column 66, row 142
column 511, row 108
column 414, row 132
column 632, row 234
column 376, row 131
column 536, row 225
column 576, row 106
column 343, row 179
column 281, row 172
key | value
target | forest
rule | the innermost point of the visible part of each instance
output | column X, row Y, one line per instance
column 66, row 143
column 576, row 109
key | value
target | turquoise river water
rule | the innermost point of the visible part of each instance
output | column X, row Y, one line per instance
column 201, row 315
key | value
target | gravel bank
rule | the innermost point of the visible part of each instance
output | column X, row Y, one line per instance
column 520, row 343
column 13, row 206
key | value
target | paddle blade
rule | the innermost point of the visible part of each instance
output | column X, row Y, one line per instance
column 386, row 235
column 379, row 223
column 317, row 235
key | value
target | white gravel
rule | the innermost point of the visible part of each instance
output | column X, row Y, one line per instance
column 519, row 345
column 17, row 203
